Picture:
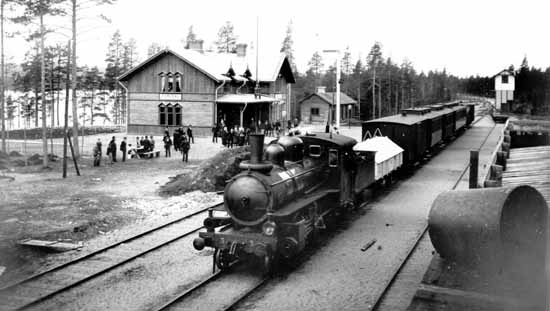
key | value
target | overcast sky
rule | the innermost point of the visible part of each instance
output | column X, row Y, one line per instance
column 467, row 37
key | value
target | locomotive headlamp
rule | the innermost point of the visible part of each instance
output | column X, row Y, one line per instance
column 268, row 228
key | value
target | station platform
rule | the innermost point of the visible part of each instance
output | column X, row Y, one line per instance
column 529, row 166
column 347, row 278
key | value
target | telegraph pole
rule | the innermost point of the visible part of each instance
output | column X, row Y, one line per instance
column 66, row 125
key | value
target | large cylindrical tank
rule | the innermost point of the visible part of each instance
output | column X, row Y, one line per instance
column 504, row 226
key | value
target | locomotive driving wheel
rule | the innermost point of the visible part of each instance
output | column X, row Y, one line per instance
column 223, row 259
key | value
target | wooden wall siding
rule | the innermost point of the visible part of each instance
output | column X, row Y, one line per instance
column 314, row 102
column 148, row 80
column 157, row 130
column 195, row 113
column 143, row 112
column 209, row 97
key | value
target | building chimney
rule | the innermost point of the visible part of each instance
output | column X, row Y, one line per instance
column 241, row 49
column 321, row 89
column 196, row 45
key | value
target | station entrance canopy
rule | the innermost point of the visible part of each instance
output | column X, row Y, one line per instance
column 242, row 108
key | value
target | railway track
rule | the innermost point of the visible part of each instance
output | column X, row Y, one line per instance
column 61, row 278
column 223, row 291
column 420, row 236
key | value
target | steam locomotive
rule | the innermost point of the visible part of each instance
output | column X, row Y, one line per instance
column 280, row 200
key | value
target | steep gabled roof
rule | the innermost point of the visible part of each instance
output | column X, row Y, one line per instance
column 216, row 65
column 505, row 72
column 329, row 96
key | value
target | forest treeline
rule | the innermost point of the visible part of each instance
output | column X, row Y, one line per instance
column 381, row 84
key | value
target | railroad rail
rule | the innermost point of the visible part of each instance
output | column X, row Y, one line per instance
column 178, row 302
column 421, row 235
column 63, row 277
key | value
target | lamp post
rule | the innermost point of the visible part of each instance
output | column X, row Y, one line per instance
column 337, row 52
column 349, row 116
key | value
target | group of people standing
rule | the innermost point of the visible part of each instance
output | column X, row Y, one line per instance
column 235, row 135
column 111, row 151
column 182, row 142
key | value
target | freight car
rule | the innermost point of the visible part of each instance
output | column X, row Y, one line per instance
column 276, row 205
column 419, row 130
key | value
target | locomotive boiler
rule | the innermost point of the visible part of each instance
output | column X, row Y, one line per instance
column 274, row 207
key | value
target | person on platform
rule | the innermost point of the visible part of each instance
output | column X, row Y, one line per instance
column 112, row 149
column 123, row 149
column 176, row 139
column 215, row 133
column 185, row 146
column 97, row 153
column 327, row 128
column 167, row 145
column 190, row 134
column 166, row 131
column 152, row 143
column 137, row 142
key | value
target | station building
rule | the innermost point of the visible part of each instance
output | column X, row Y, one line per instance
column 320, row 107
column 504, row 89
column 199, row 88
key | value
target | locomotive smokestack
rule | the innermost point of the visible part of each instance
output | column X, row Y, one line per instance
column 256, row 162
column 256, row 148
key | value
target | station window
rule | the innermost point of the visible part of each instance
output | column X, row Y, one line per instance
column 170, row 115
column 170, row 83
column 315, row 111
column 162, row 114
column 504, row 79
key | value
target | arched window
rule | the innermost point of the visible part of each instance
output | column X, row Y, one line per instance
column 170, row 114
column 177, row 112
column 162, row 82
column 162, row 114
column 170, row 85
column 178, row 76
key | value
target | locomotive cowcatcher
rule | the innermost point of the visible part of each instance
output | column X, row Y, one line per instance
column 274, row 207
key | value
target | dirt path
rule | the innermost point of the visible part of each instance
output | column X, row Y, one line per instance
column 41, row 204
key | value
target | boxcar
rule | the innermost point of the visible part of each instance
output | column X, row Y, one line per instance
column 408, row 130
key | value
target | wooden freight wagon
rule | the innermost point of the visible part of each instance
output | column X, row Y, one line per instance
column 388, row 156
column 406, row 130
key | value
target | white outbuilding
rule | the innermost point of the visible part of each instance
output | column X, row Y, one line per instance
column 388, row 155
column 504, row 88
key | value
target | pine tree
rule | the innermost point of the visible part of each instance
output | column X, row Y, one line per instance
column 36, row 10
column 227, row 40
column 373, row 60
column 316, row 66
column 287, row 44
column 114, row 69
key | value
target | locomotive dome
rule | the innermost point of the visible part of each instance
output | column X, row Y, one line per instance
column 293, row 146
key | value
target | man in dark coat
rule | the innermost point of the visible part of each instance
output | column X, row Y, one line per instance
column 167, row 145
column 123, row 149
column 185, row 146
column 112, row 149
column 97, row 153
column 190, row 134
column 176, row 140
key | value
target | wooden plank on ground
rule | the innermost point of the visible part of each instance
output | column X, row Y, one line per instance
column 55, row 246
